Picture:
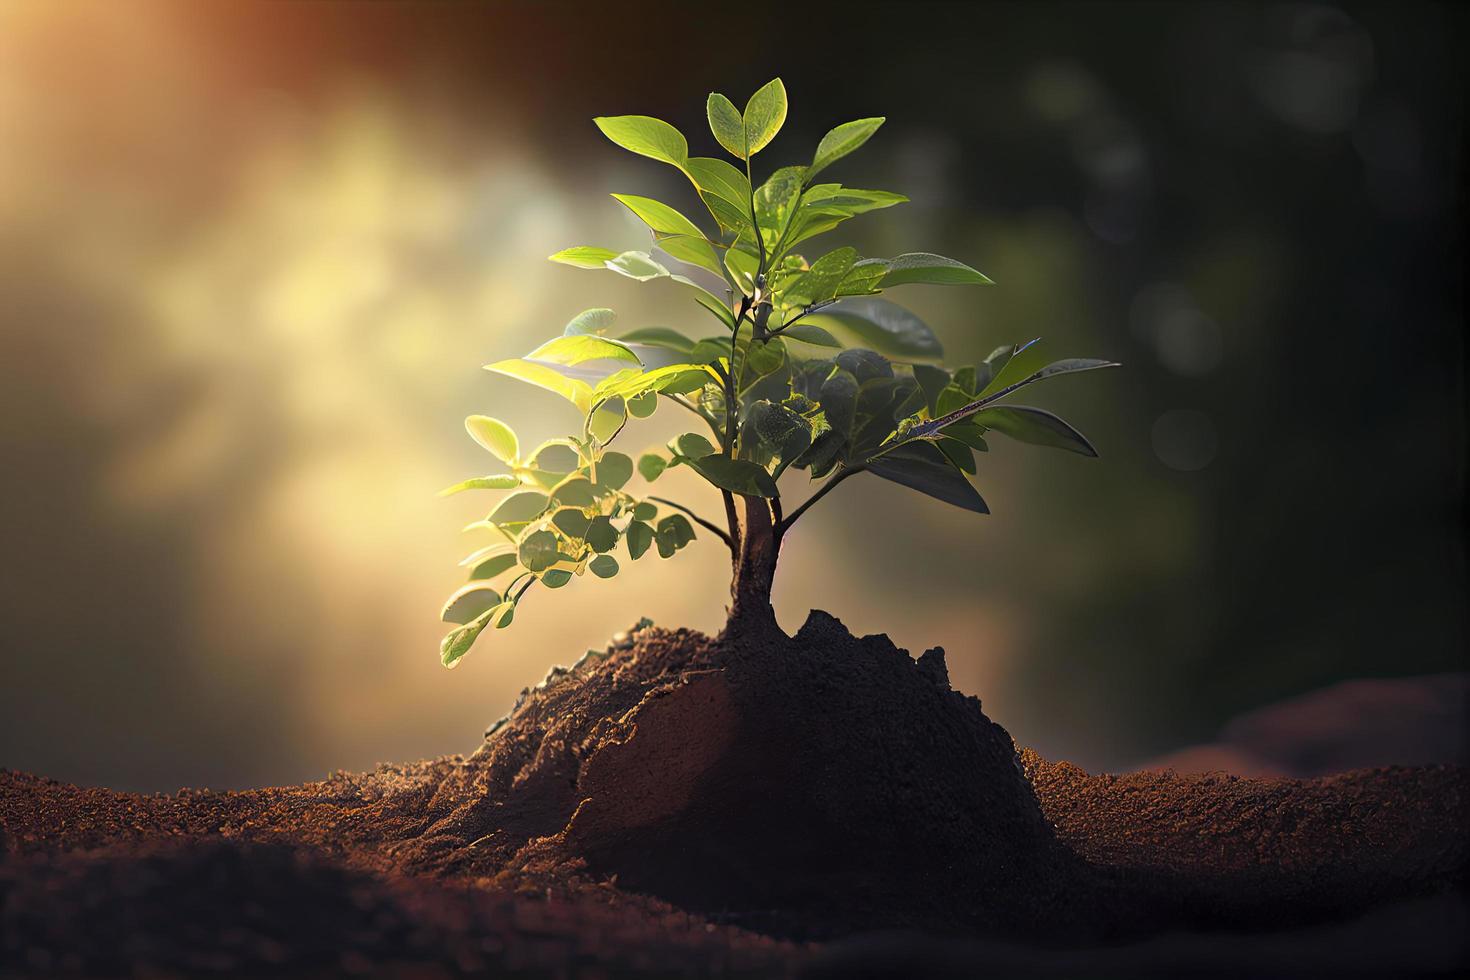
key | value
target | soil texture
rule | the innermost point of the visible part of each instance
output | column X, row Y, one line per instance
column 817, row 805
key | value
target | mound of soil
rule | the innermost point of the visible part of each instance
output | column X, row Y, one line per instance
column 670, row 804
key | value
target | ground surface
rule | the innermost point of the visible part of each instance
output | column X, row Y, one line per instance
column 823, row 806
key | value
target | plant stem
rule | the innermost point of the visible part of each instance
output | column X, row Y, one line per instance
column 707, row 525
column 685, row 403
column 826, row 488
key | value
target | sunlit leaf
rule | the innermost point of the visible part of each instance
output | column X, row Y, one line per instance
column 576, row 391
column 468, row 603
column 494, row 565
column 764, row 115
column 585, row 257
column 580, row 348
column 502, row 481
column 539, row 550
column 637, row 265
column 695, row 251
column 841, row 141
column 662, row 337
column 925, row 267
column 820, row 281
column 607, row 419
column 726, row 124
column 519, row 507
column 594, row 321
column 458, row 641
column 647, row 137
column 495, row 436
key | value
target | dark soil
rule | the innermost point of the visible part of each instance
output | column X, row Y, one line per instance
column 681, row 806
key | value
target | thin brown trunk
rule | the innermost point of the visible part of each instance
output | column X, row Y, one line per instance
column 754, row 571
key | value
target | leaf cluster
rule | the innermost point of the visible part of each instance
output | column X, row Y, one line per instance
column 802, row 364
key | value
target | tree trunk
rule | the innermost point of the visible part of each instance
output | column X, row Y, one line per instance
column 754, row 572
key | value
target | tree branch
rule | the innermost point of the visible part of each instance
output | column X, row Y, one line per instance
column 714, row 528
column 825, row 489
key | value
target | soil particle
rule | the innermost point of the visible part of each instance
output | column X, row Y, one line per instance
column 670, row 804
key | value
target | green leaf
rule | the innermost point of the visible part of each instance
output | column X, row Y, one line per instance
column 736, row 475
column 722, row 312
column 863, row 278
column 614, row 470
column 603, row 566
column 585, row 257
column 556, row 456
column 644, row 405
column 493, row 566
column 881, row 326
column 580, row 348
column 607, row 419
column 838, row 397
column 932, row 381
column 724, row 190
column 458, row 641
column 659, row 217
column 601, row 535
column 495, row 436
column 595, row 321
column 773, row 431
column 958, row 453
column 637, row 265
column 673, row 378
column 572, row 522
column 922, row 467
column 760, row 359
column 726, row 124
column 662, row 337
column 925, row 267
column 646, row 136
column 503, row 481
column 1000, row 386
column 691, row 445
column 673, row 533
column 468, row 603
column 539, row 550
column 651, row 466
column 820, row 282
column 694, row 251
column 644, row 511
column 577, row 392
column 575, row 491
column 764, row 115
column 1036, row 426
column 555, row 578
column 775, row 203
column 639, row 536
column 841, row 141
column 519, row 508
column 808, row 334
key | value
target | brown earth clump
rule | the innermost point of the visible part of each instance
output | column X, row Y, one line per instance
column 670, row 804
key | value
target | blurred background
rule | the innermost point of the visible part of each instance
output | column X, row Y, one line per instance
column 252, row 257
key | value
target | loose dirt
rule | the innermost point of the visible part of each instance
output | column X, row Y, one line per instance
column 819, row 805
